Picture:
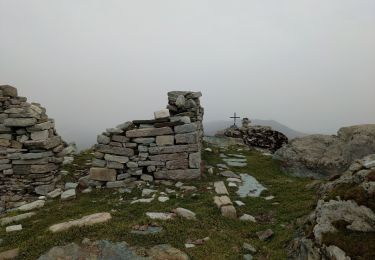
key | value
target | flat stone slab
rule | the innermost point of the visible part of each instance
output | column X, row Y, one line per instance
column 146, row 230
column 220, row 188
column 149, row 132
column 230, row 174
column 33, row 205
column 222, row 201
column 160, row 215
column 250, row 187
column 185, row 213
column 13, row 228
column 84, row 221
column 8, row 220
column 68, row 194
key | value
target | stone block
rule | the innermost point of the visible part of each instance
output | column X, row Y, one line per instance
column 147, row 132
column 19, row 122
column 143, row 140
column 8, row 91
column 195, row 160
column 42, row 126
column 163, row 113
column 150, row 163
column 116, row 158
column 120, row 138
column 39, row 135
column 102, row 139
column 186, row 128
column 173, row 149
column 177, row 164
column 103, row 174
column 43, row 168
column 168, row 157
column 43, row 144
column 4, row 142
column 99, row 163
column 188, row 138
column 165, row 140
column 115, row 165
column 115, row 184
column 187, row 174
column 229, row 212
column 132, row 165
column 114, row 150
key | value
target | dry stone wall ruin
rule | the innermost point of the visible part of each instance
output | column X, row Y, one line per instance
column 31, row 151
column 166, row 147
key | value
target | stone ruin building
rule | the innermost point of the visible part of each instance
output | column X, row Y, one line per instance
column 30, row 149
column 166, row 147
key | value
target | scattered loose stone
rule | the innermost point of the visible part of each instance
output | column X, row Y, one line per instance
column 222, row 166
column 248, row 257
column 237, row 155
column 230, row 174
column 84, row 221
column 240, row 203
column 169, row 191
column 188, row 188
column 160, row 215
column 179, row 184
column 249, row 247
column 142, row 201
column 232, row 184
column 87, row 190
column 234, row 180
column 147, row 192
column 210, row 171
column 33, row 205
column 167, row 252
column 208, row 149
column 189, row 245
column 68, row 195
column 185, row 213
column 8, row 220
column 220, row 188
column 13, row 228
column 222, row 201
column 269, row 197
column 264, row 235
column 246, row 217
column 229, row 212
column 163, row 199
column 70, row 185
column 146, row 230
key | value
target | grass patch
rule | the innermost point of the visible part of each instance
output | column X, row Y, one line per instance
column 226, row 236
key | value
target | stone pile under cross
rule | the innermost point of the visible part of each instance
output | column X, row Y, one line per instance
column 234, row 118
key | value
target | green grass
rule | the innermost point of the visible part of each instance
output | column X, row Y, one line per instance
column 226, row 236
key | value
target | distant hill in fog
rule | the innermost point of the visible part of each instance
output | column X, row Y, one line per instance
column 210, row 128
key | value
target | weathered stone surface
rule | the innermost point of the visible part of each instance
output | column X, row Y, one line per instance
column 120, row 138
column 168, row 157
column 115, row 165
column 40, row 127
column 103, row 174
column 188, row 138
column 31, row 156
column 114, row 150
column 43, row 168
column 220, row 188
column 222, row 201
column 185, row 213
column 43, row 144
column 68, row 195
column 33, row 205
column 115, row 184
column 164, row 113
column 160, row 215
column 19, row 122
column 103, row 139
column 178, row 174
column 322, row 156
column 173, row 149
column 177, row 164
column 228, row 212
column 13, row 228
column 195, row 160
column 146, row 132
column 116, row 158
column 187, row 128
column 98, row 163
column 84, row 221
column 8, row 220
column 54, row 194
column 265, row 235
column 247, row 217
column 44, row 189
column 141, row 140
column 40, row 135
column 167, row 252
column 164, row 140
column 9, row 91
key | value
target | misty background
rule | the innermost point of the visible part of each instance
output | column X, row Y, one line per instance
column 309, row 65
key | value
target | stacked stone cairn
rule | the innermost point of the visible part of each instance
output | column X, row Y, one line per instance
column 30, row 149
column 166, row 147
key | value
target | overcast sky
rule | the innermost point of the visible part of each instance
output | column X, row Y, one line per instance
column 94, row 64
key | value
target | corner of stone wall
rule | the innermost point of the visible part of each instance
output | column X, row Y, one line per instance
column 167, row 147
column 31, row 151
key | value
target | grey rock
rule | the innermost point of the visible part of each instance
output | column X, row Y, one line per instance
column 229, row 212
column 229, row 174
column 103, row 174
column 173, row 149
column 164, row 140
column 120, row 138
column 70, row 185
column 33, row 205
column 19, row 122
column 54, row 194
column 88, row 220
column 164, row 113
column 187, row 174
column 8, row 91
column 102, row 139
column 249, row 247
column 114, row 130
column 220, row 188
column 99, row 163
column 68, row 195
column 40, row 135
column 106, row 149
column 186, row 128
column 116, row 158
column 13, row 228
column 125, row 126
column 250, row 187
column 180, row 101
column 188, row 138
column 185, row 213
column 147, row 132
column 44, row 189
column 195, row 160
column 146, row 140
column 115, row 184
column 17, row 218
column 147, row 178
column 265, row 235
column 115, row 165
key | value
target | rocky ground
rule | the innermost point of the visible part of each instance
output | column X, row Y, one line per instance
column 245, row 207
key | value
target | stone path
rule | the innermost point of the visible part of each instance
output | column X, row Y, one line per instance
column 250, row 187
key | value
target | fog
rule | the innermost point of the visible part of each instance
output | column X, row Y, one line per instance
column 94, row 64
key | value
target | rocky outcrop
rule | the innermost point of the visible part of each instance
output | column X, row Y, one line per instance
column 262, row 137
column 31, row 151
column 345, row 209
column 321, row 156
column 166, row 147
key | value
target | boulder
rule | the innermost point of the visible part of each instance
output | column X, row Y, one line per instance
column 322, row 156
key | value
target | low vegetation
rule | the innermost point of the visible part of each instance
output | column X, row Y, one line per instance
column 292, row 201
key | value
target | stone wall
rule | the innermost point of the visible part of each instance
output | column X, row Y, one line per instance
column 30, row 149
column 166, row 147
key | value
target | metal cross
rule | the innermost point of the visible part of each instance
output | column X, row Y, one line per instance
column 234, row 118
